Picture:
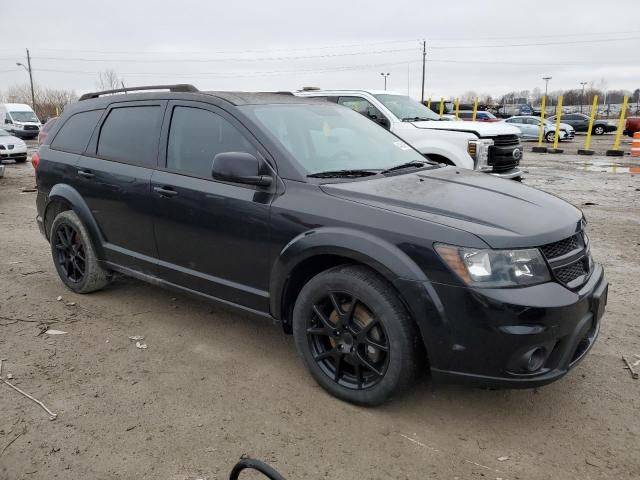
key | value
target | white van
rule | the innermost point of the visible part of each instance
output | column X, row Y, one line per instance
column 19, row 119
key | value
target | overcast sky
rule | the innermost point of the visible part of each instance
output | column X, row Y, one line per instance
column 286, row 44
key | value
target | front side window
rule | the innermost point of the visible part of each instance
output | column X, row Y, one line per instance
column 74, row 135
column 131, row 134
column 325, row 138
column 406, row 108
column 197, row 136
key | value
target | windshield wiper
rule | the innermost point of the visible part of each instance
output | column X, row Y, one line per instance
column 343, row 174
column 416, row 119
column 414, row 163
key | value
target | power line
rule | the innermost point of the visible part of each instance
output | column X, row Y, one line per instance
column 602, row 40
column 228, row 59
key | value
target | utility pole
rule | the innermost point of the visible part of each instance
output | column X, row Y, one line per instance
column 424, row 61
column 582, row 95
column 546, row 85
column 28, row 69
column 385, row 75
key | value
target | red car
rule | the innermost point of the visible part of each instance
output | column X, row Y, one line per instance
column 632, row 126
column 44, row 131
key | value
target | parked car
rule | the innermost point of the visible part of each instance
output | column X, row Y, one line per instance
column 19, row 119
column 632, row 126
column 467, row 115
column 44, row 131
column 380, row 262
column 580, row 123
column 530, row 128
column 489, row 148
column 514, row 109
column 12, row 148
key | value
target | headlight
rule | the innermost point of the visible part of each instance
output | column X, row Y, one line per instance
column 2, row 147
column 479, row 151
column 495, row 268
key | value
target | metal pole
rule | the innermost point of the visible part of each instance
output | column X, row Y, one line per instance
column 582, row 95
column 424, row 61
column 33, row 96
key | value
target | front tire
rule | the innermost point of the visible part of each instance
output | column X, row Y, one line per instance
column 550, row 137
column 74, row 256
column 355, row 335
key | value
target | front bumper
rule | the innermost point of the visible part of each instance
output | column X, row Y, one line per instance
column 485, row 333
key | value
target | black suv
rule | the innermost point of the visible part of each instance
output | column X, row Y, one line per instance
column 381, row 263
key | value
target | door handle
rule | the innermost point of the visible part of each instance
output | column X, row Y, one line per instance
column 165, row 191
column 85, row 174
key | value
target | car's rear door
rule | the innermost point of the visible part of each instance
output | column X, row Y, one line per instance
column 114, row 179
column 212, row 236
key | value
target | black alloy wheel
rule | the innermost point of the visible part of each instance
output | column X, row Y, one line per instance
column 355, row 335
column 70, row 249
column 347, row 341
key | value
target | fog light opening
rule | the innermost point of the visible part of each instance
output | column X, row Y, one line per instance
column 536, row 359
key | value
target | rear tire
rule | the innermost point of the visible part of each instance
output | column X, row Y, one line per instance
column 355, row 335
column 74, row 256
column 598, row 130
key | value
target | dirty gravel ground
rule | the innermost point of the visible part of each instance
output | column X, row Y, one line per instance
column 214, row 384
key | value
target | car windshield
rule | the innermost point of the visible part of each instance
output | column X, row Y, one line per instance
column 406, row 108
column 331, row 138
column 24, row 117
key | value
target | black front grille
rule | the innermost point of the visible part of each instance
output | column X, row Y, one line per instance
column 506, row 140
column 557, row 249
column 569, row 273
column 30, row 127
column 568, row 259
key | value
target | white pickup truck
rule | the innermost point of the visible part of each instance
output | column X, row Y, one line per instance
column 487, row 147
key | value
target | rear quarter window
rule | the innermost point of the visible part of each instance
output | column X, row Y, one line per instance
column 131, row 135
column 74, row 135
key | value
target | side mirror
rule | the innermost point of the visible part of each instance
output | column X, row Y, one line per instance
column 7, row 121
column 239, row 167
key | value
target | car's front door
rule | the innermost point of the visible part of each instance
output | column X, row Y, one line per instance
column 212, row 236
column 114, row 178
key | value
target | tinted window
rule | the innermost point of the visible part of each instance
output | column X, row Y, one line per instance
column 130, row 134
column 466, row 115
column 75, row 133
column 196, row 136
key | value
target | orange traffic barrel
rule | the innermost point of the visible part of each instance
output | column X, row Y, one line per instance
column 635, row 145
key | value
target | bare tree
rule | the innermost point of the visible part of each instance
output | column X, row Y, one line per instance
column 49, row 101
column 108, row 80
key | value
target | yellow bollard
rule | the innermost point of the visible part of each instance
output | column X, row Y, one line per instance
column 592, row 117
column 475, row 110
column 556, row 138
column 542, row 112
column 457, row 107
column 441, row 106
column 429, row 102
column 623, row 111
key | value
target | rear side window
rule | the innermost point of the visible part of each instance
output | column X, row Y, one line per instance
column 130, row 135
column 198, row 135
column 74, row 135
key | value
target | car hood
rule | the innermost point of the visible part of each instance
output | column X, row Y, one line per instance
column 503, row 213
column 482, row 129
column 11, row 140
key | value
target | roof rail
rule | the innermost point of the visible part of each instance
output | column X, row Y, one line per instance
column 180, row 87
